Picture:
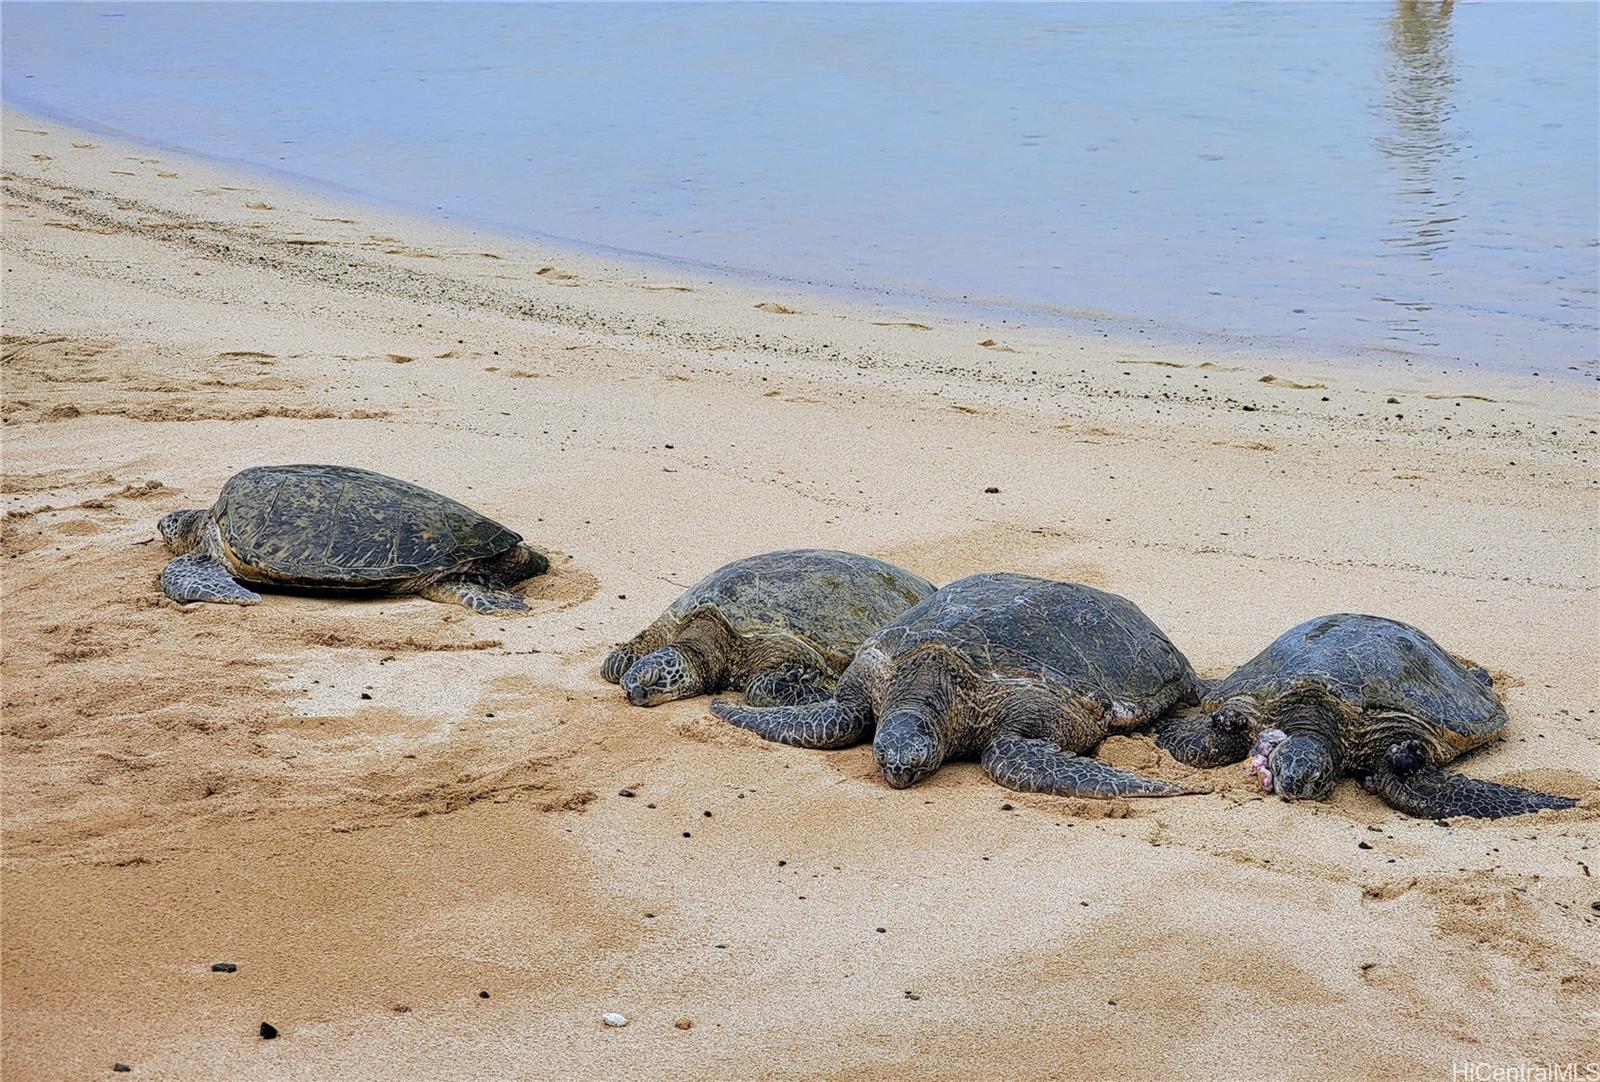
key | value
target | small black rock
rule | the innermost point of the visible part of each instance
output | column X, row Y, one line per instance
column 269, row 1031
column 991, row 491
column 120, row 1067
column 625, row 792
column 1363, row 845
column 483, row 995
column 224, row 967
column 1007, row 807
column 365, row 695
column 1595, row 906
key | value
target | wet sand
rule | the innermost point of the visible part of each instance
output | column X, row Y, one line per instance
column 382, row 810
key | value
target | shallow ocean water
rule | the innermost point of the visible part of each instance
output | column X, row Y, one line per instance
column 1362, row 178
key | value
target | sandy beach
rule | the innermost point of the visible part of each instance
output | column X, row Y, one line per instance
column 401, row 820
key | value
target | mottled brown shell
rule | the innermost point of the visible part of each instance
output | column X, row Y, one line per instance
column 338, row 525
column 1017, row 626
column 1372, row 665
column 830, row 600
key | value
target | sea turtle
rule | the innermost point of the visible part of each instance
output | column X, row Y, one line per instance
column 780, row 627
column 1351, row 694
column 343, row 529
column 1027, row 674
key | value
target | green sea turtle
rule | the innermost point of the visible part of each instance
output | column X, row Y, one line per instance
column 340, row 528
column 1349, row 694
column 780, row 627
column 1026, row 674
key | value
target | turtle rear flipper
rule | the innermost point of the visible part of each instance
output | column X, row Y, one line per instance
column 1035, row 765
column 475, row 593
column 195, row 576
column 832, row 723
column 1432, row 793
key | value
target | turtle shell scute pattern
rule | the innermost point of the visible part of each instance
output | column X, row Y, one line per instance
column 1017, row 626
column 831, row 600
column 1372, row 665
column 339, row 524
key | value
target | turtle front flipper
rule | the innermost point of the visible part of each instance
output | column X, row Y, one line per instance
column 1405, row 782
column 195, row 576
column 477, row 594
column 789, row 686
column 832, row 723
column 1035, row 765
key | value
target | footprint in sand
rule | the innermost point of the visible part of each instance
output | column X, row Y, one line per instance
column 258, row 206
column 990, row 343
column 666, row 289
column 554, row 275
column 912, row 326
column 41, row 157
column 33, row 131
column 1460, row 398
column 1159, row 364
column 1277, row 381
column 84, row 146
column 340, row 221
column 167, row 176
column 778, row 309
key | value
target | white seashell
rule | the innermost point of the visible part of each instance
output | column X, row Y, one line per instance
column 614, row 1019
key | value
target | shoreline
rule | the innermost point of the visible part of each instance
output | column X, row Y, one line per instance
column 998, row 312
column 387, row 804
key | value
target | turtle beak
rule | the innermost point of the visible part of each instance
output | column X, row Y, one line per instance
column 639, row 682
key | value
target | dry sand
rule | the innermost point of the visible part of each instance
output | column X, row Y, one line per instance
column 401, row 820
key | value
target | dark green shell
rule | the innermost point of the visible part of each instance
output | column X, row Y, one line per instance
column 341, row 526
column 1372, row 665
column 832, row 600
column 1018, row 626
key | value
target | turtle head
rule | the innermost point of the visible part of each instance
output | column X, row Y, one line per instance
column 1206, row 740
column 670, row 673
column 907, row 748
column 181, row 530
column 1297, row 767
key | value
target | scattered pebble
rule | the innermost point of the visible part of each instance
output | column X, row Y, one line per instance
column 483, row 995
column 1007, row 807
column 1595, row 906
column 614, row 1019
column 224, row 967
column 268, row 1031
column 991, row 491
column 401, row 1008
column 1363, row 845
column 883, row 929
column 120, row 1067
column 626, row 792
column 912, row 995
column 683, row 1023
